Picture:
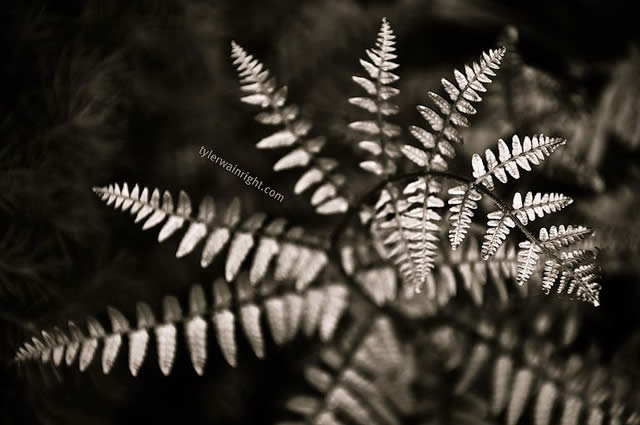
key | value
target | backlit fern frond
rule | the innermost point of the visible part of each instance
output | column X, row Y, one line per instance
column 379, row 133
column 500, row 223
column 553, row 240
column 294, row 255
column 437, row 144
column 575, row 270
column 287, row 312
column 346, row 380
column 465, row 197
column 532, row 150
column 263, row 92
column 463, row 203
column 407, row 225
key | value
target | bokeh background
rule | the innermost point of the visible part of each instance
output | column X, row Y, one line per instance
column 99, row 92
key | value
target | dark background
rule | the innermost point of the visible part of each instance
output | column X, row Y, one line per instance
column 100, row 92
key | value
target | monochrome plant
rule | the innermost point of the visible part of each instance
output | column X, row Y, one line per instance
column 383, row 275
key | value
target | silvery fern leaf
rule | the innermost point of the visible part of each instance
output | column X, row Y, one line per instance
column 527, row 260
column 261, row 90
column 288, row 312
column 463, row 203
column 379, row 133
column 575, row 270
column 563, row 236
column 464, row 197
column 498, row 227
column 538, row 205
column 500, row 222
column 408, row 226
column 437, row 142
column 532, row 150
column 347, row 380
column 296, row 256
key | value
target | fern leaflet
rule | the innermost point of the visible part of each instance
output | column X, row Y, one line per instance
column 500, row 223
column 576, row 269
column 465, row 197
column 526, row 375
column 379, row 132
column 295, row 256
column 287, row 312
column 263, row 92
column 408, row 227
column 533, row 149
column 437, row 145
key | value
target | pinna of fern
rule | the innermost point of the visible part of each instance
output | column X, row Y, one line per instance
column 295, row 255
column 255, row 79
column 287, row 312
column 379, row 134
column 436, row 145
column 509, row 161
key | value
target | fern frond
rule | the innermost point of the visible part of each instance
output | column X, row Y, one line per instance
column 262, row 91
column 562, row 237
column 287, row 312
column 538, row 205
column 295, row 255
column 532, row 150
column 500, row 223
column 576, row 269
column 437, row 144
column 379, row 132
column 465, row 197
column 346, row 381
column 527, row 260
column 464, row 200
column 408, row 227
